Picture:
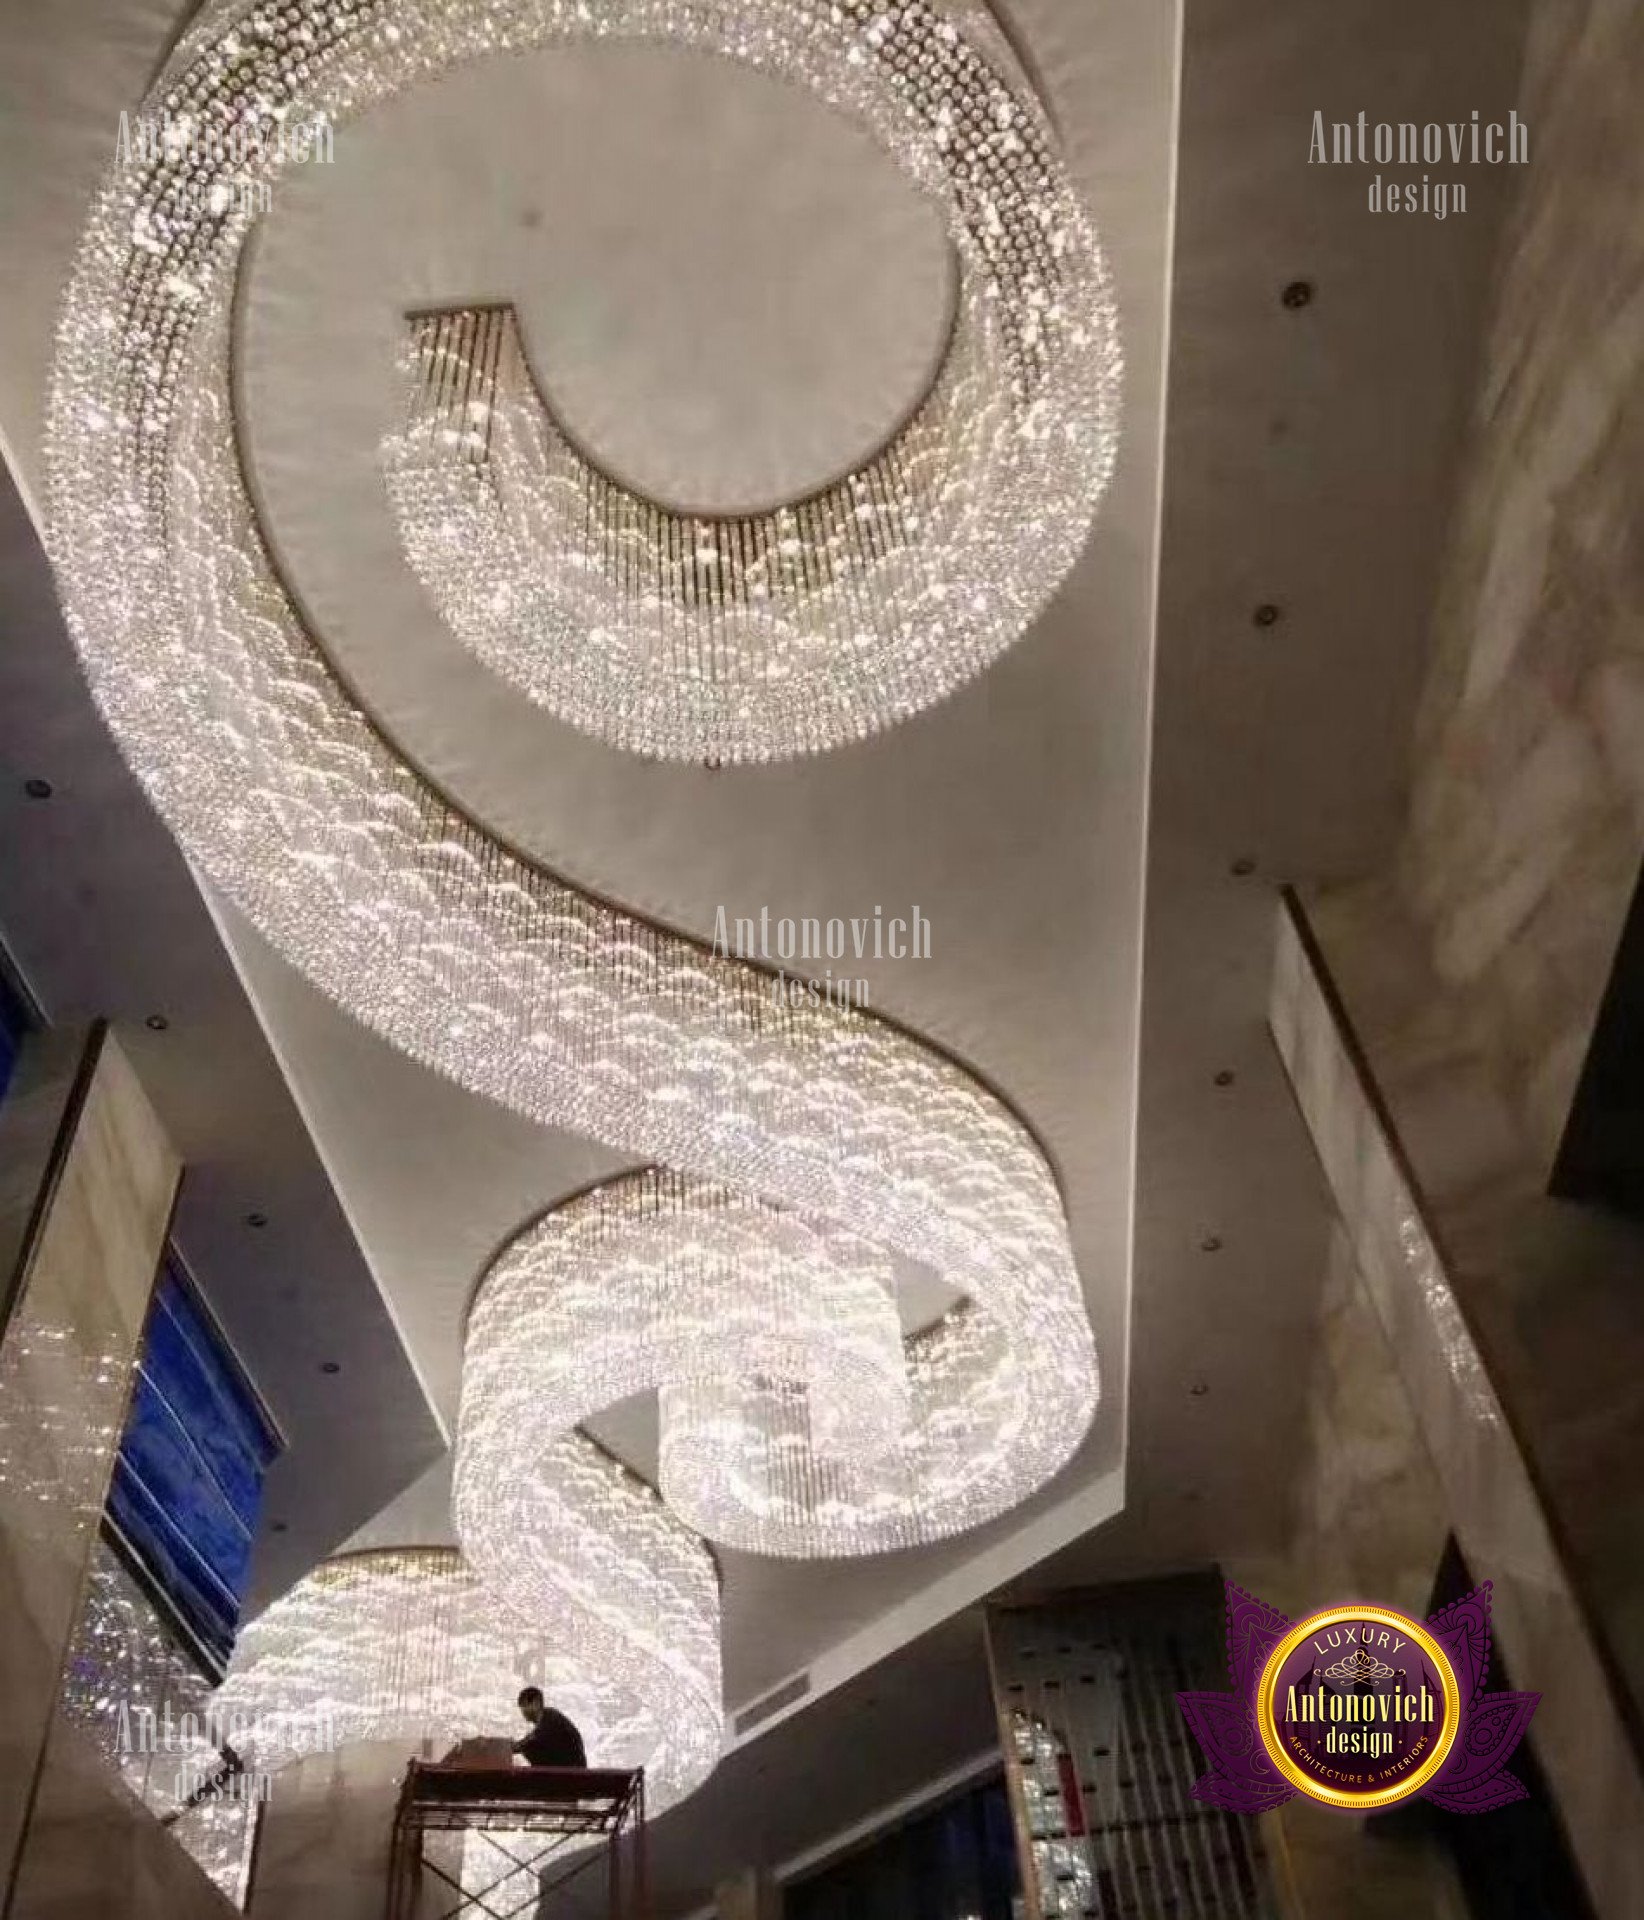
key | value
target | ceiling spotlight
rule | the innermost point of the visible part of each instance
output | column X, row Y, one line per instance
column 1199, row 1389
column 1267, row 615
column 1298, row 294
column 1242, row 868
column 330, row 1366
column 1225, row 1077
column 156, row 1023
column 37, row 789
column 1211, row 1243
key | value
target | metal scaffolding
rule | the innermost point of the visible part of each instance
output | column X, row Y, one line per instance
column 524, row 1842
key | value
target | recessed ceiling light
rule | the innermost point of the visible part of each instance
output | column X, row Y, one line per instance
column 1199, row 1389
column 156, row 1023
column 37, row 789
column 1242, row 868
column 1267, row 614
column 256, row 1219
column 1299, row 293
column 1226, row 1077
column 276, row 1526
column 1211, row 1243
column 330, row 1366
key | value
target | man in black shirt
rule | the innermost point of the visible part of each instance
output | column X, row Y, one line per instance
column 553, row 1740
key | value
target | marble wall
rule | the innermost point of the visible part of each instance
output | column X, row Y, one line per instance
column 1527, row 824
column 32, row 1113
column 1473, row 964
column 1369, row 1515
column 323, row 1853
column 94, row 1850
column 1369, row 1518
column 65, row 1368
column 1421, row 1308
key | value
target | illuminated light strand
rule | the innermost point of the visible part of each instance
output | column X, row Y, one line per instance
column 405, row 1643
column 793, row 1420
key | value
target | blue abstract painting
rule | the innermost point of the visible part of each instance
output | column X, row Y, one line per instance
column 188, row 1481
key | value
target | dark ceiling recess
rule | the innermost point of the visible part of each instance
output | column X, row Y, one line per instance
column 1601, row 1158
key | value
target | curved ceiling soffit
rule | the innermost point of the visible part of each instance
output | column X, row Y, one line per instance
column 774, row 1126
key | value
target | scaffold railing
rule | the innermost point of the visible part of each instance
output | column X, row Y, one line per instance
column 518, row 1843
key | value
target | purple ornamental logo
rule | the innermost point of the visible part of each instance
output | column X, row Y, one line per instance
column 1358, row 1707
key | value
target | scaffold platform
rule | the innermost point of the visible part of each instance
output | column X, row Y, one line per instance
column 518, row 1843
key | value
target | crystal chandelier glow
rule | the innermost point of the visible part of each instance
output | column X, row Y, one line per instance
column 425, row 927
column 405, row 1644
column 764, row 635
column 792, row 1420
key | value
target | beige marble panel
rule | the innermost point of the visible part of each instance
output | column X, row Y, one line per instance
column 65, row 1371
column 1542, row 1628
column 1369, row 1519
column 93, row 1849
column 31, row 1113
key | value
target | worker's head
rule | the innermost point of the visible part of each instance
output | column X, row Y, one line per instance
column 531, row 1703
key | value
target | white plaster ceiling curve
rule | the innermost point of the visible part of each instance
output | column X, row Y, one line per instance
column 979, row 817
column 730, row 293
column 1012, row 815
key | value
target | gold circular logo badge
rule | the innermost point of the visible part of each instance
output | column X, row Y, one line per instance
column 1358, row 1707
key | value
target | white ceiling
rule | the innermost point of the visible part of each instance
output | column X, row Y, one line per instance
column 771, row 268
column 1307, row 462
column 729, row 291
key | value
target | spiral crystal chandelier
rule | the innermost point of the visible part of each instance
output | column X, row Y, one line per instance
column 794, row 1418
column 765, row 635
column 421, row 924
